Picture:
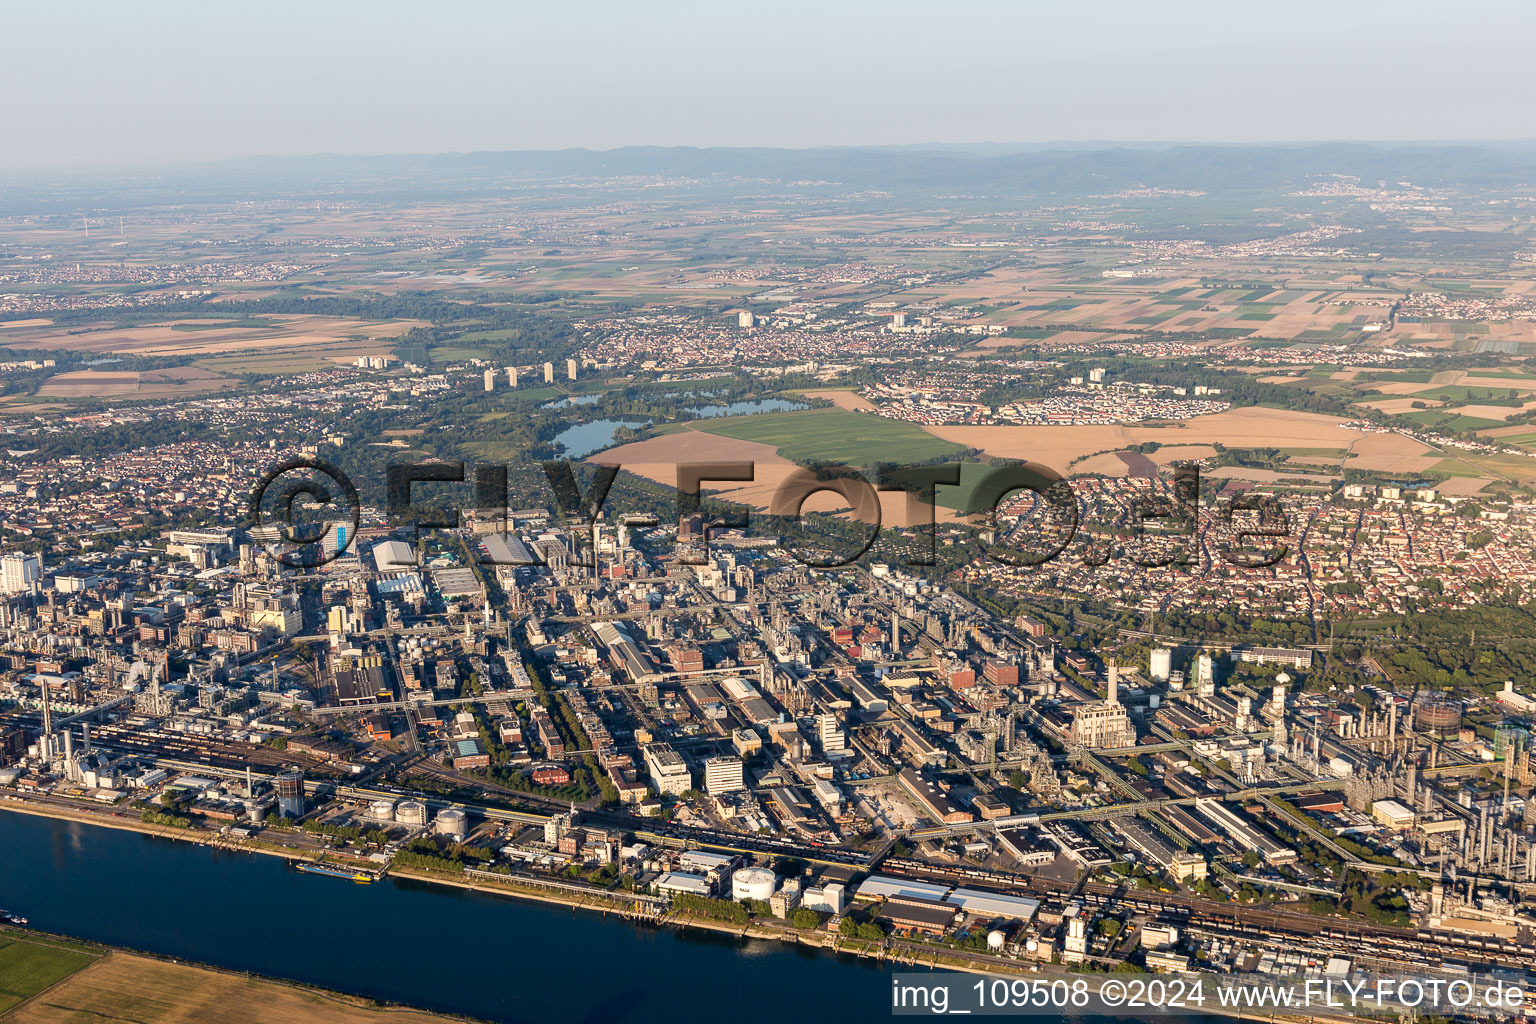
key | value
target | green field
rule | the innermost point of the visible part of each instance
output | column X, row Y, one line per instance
column 253, row 322
column 1510, row 467
column 476, row 337
column 1476, row 396
column 30, row 965
column 1517, row 376
column 836, row 435
column 452, row 354
column 269, row 363
column 1438, row 420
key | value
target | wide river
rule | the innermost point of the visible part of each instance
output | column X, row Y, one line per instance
column 430, row 946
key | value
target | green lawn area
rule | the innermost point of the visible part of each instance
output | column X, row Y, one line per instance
column 452, row 354
column 836, row 435
column 475, row 337
column 29, row 965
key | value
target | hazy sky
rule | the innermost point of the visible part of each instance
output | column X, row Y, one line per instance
column 101, row 84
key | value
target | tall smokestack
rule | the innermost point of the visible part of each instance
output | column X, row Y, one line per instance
column 85, row 737
column 47, row 723
column 1114, row 685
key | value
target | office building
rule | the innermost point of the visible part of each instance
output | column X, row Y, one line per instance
column 18, row 572
column 830, row 733
column 723, row 775
column 669, row 772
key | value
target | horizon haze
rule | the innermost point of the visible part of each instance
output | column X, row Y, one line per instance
column 116, row 89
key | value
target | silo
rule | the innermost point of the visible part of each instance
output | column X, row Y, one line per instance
column 411, row 812
column 452, row 822
column 753, row 884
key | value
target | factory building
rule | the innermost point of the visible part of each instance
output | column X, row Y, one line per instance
column 1244, row 833
column 931, row 800
column 1144, row 840
column 1106, row 724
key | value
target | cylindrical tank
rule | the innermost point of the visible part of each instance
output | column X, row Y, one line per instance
column 753, row 884
column 1437, row 716
column 411, row 812
column 1161, row 664
column 1509, row 739
column 254, row 812
column 995, row 940
column 290, row 793
column 382, row 810
column 453, row 822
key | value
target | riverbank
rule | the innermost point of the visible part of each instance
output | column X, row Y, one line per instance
column 62, row 981
column 195, row 836
column 604, row 902
column 457, row 947
column 443, row 948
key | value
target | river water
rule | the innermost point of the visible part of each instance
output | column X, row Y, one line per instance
column 430, row 946
column 426, row 945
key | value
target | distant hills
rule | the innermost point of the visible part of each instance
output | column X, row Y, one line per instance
column 1081, row 171
column 992, row 170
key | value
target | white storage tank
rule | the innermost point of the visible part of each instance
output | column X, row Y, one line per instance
column 411, row 812
column 753, row 884
column 382, row 810
column 452, row 822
